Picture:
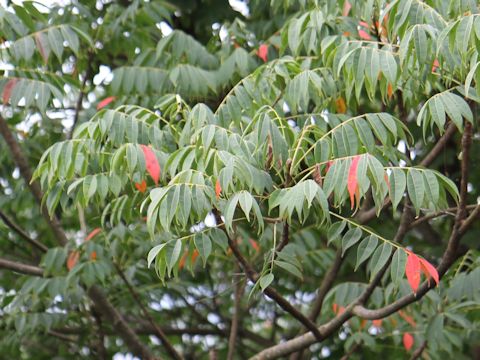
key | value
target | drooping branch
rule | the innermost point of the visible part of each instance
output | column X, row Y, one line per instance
column 14, row 226
column 273, row 294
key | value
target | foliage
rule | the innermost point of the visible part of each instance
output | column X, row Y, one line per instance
column 317, row 153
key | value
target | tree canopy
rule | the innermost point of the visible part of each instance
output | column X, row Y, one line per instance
column 246, row 179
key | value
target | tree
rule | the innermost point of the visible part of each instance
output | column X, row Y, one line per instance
column 192, row 180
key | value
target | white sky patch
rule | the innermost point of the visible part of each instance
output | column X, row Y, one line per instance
column 104, row 75
column 240, row 6
column 164, row 28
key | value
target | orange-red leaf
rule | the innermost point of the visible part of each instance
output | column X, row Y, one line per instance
column 389, row 91
column 194, row 256
column 218, row 189
column 254, row 245
column 93, row 256
column 435, row 65
column 364, row 24
column 408, row 341
column 7, row 90
column 151, row 162
column 262, row 52
column 352, row 183
column 105, row 102
column 141, row 186
column 429, row 271
column 93, row 233
column 181, row 263
column 341, row 106
column 412, row 270
column 364, row 35
column 377, row 323
column 72, row 259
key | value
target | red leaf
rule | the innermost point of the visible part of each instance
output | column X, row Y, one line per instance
column 352, row 179
column 377, row 323
column 262, row 52
column 364, row 24
column 194, row 256
column 412, row 270
column 254, row 245
column 72, row 259
column 181, row 263
column 41, row 49
column 7, row 90
column 93, row 233
column 93, row 256
column 141, row 186
column 335, row 308
column 218, row 189
column 105, row 102
column 385, row 176
column 389, row 91
column 364, row 35
column 151, row 162
column 341, row 106
column 408, row 341
column 429, row 271
column 346, row 8
column 435, row 65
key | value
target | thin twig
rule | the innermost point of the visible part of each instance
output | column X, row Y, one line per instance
column 12, row 225
column 161, row 335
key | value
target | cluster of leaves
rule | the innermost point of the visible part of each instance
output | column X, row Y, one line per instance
column 300, row 117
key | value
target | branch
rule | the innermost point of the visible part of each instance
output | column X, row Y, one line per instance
column 449, row 211
column 22, row 163
column 285, row 237
column 21, row 268
column 161, row 335
column 235, row 320
column 459, row 228
column 269, row 291
column 95, row 293
column 12, row 225
column 325, row 286
column 439, row 145
column 417, row 353
column 367, row 215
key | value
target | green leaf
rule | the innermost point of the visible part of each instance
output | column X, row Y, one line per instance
column 365, row 249
column 397, row 269
column 152, row 254
column 380, row 258
column 292, row 269
column 416, row 188
column 265, row 281
column 350, row 238
column 204, row 246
